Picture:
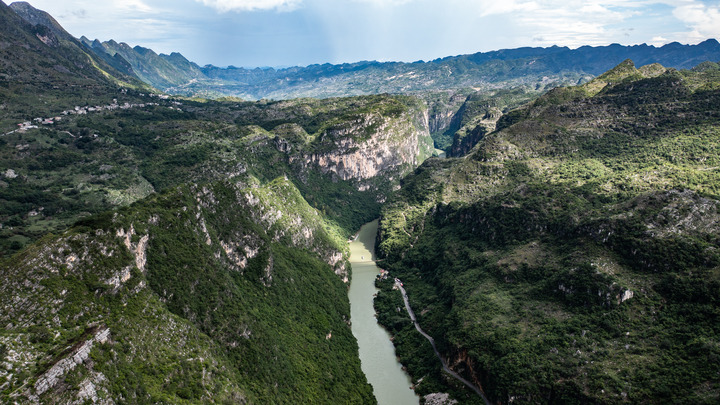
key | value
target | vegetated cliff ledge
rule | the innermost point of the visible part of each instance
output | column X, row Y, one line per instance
column 572, row 255
column 220, row 292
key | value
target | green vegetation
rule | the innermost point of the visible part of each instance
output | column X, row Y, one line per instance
column 572, row 256
column 230, row 287
column 183, row 227
column 86, row 164
column 166, row 250
column 455, row 114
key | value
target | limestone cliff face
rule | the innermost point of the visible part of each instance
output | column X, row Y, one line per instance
column 372, row 144
column 443, row 108
column 255, row 240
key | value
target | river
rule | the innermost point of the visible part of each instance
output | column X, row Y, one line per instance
column 391, row 384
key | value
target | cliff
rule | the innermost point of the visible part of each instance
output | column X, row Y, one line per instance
column 572, row 255
column 103, row 156
column 375, row 145
column 222, row 292
column 186, row 251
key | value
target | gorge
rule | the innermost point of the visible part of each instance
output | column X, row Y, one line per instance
column 377, row 353
column 158, row 248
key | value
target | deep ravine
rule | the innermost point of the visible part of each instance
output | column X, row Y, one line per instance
column 391, row 384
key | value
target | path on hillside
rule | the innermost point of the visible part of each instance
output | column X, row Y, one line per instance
column 447, row 369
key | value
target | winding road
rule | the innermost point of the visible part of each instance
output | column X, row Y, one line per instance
column 447, row 369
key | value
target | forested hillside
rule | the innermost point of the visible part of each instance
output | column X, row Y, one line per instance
column 226, row 292
column 156, row 248
column 165, row 250
column 572, row 256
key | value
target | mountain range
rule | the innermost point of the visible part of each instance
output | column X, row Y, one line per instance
column 165, row 249
column 533, row 67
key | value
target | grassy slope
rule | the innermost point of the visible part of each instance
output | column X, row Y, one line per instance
column 519, row 256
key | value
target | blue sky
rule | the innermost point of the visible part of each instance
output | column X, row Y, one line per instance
column 253, row 33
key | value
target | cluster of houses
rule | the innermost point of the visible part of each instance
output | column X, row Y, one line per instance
column 114, row 106
column 24, row 126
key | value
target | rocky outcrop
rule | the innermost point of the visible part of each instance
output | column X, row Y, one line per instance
column 137, row 249
column 295, row 224
column 443, row 109
column 372, row 145
column 439, row 398
column 465, row 138
column 78, row 355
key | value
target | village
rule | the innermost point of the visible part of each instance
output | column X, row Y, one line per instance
column 36, row 122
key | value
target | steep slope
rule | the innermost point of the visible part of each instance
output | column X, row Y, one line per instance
column 228, row 292
column 39, row 17
column 228, row 286
column 161, row 71
column 116, row 60
column 44, row 66
column 345, row 155
column 477, row 116
column 571, row 257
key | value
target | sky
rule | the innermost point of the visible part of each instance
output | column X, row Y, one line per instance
column 281, row 33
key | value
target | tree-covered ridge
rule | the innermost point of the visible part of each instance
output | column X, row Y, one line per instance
column 572, row 255
column 91, row 162
column 225, row 292
column 43, row 67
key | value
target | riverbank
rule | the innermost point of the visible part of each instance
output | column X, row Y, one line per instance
column 391, row 385
column 446, row 368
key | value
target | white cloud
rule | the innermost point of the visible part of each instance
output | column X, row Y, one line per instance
column 562, row 22
column 494, row 7
column 703, row 20
column 598, row 22
column 132, row 5
column 251, row 5
column 658, row 41
column 385, row 2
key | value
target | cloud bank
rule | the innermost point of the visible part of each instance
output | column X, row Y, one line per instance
column 252, row 5
column 300, row 32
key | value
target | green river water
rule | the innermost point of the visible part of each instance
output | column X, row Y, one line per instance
column 391, row 384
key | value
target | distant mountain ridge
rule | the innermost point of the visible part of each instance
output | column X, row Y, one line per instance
column 161, row 71
column 534, row 68
column 530, row 67
column 41, row 64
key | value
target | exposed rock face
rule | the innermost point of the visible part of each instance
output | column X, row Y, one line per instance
column 76, row 357
column 137, row 249
column 439, row 399
column 442, row 111
column 69, row 280
column 298, row 227
column 373, row 145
